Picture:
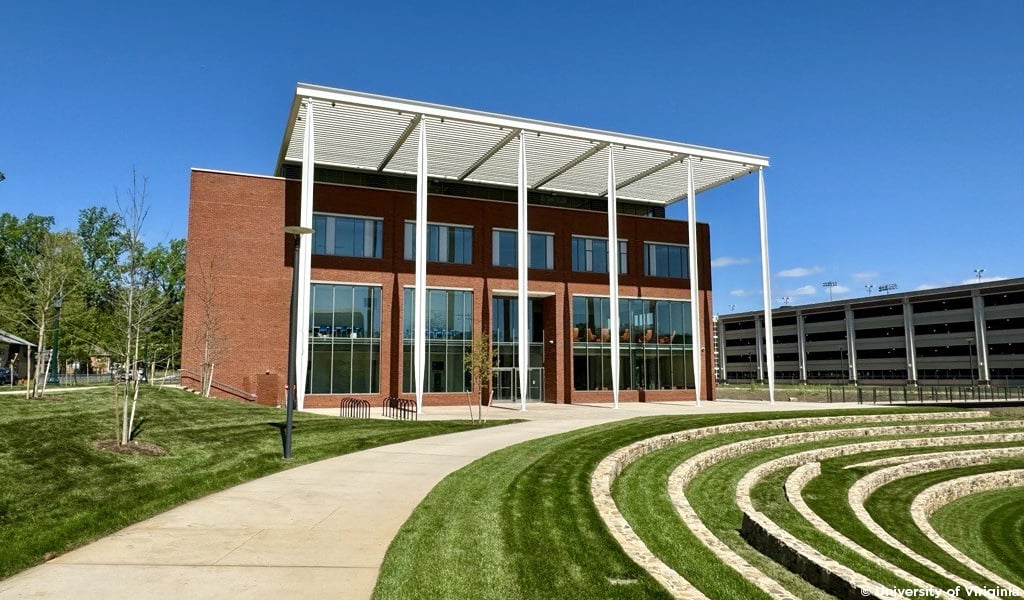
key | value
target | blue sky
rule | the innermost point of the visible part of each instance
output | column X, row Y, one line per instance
column 895, row 129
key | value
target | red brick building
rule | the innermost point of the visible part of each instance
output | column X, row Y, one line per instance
column 416, row 204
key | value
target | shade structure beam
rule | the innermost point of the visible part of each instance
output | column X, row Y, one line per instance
column 569, row 165
column 613, row 275
column 696, row 339
column 420, row 291
column 490, row 153
column 411, row 127
column 647, row 173
column 523, row 263
column 305, row 257
column 766, row 287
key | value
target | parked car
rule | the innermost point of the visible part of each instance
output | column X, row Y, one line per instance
column 139, row 372
column 8, row 376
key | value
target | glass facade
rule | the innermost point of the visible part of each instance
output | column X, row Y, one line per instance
column 504, row 251
column 445, row 243
column 655, row 344
column 666, row 260
column 348, row 236
column 344, row 339
column 449, row 335
column 590, row 255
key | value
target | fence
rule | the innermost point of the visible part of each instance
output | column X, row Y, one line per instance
column 925, row 393
column 399, row 408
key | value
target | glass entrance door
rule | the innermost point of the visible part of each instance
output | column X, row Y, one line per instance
column 506, row 385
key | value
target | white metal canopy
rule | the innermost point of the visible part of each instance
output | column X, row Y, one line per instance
column 370, row 133
column 367, row 132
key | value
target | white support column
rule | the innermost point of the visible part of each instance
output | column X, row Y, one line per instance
column 723, row 359
column 801, row 345
column 697, row 339
column 759, row 348
column 613, row 274
column 523, row 262
column 980, row 339
column 851, row 346
column 305, row 255
column 420, row 293
column 908, row 337
column 766, row 286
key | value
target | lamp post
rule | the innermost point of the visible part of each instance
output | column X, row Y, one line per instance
column 54, row 379
column 297, row 232
column 869, row 287
column 970, row 358
column 978, row 272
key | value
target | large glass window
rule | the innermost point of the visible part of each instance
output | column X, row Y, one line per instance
column 344, row 339
column 504, row 251
column 666, row 260
column 347, row 236
column 449, row 332
column 590, row 255
column 655, row 344
column 445, row 243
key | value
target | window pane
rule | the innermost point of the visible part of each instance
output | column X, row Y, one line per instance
column 319, row 234
column 410, row 241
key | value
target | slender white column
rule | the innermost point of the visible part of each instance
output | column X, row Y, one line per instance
column 523, row 262
column 697, row 340
column 759, row 347
column 908, row 336
column 305, row 255
column 420, row 292
column 613, row 274
column 851, row 346
column 980, row 341
column 801, row 345
column 766, row 286
column 723, row 360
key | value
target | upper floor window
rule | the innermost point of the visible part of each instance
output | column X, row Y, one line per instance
column 666, row 260
column 542, row 249
column 445, row 243
column 348, row 236
column 590, row 255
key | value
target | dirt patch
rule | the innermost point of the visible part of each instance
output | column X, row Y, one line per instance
column 133, row 447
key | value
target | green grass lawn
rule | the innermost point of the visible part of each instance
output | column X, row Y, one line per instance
column 520, row 523
column 988, row 527
column 58, row 492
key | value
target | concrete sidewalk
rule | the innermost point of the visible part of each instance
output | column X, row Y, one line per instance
column 315, row 531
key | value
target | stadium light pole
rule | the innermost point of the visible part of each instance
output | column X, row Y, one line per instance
column 830, row 285
column 978, row 272
column 887, row 288
column 869, row 287
column 297, row 232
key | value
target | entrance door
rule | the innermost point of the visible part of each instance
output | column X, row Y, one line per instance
column 506, row 385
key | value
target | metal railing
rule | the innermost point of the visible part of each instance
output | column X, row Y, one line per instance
column 354, row 407
column 224, row 387
column 399, row 408
column 925, row 394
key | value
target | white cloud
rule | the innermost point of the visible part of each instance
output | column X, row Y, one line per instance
column 807, row 290
column 982, row 280
column 728, row 261
column 926, row 286
column 743, row 293
column 866, row 275
column 800, row 272
column 840, row 289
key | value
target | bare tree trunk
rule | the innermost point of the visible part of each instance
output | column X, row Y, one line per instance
column 42, row 366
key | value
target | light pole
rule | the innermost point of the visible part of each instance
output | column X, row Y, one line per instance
column 887, row 288
column 54, row 379
column 830, row 285
column 732, row 308
column 297, row 232
column 785, row 300
column 869, row 287
column 978, row 272
column 970, row 358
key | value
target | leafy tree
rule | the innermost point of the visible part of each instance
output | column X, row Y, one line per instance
column 479, row 364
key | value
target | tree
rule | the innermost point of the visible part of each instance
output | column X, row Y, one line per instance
column 208, row 339
column 479, row 364
column 47, row 266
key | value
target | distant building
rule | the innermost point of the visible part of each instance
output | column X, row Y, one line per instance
column 954, row 334
column 14, row 352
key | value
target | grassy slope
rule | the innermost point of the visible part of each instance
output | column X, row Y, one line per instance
column 519, row 523
column 59, row 492
column 989, row 527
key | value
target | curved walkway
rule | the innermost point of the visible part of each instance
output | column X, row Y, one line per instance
column 319, row 530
